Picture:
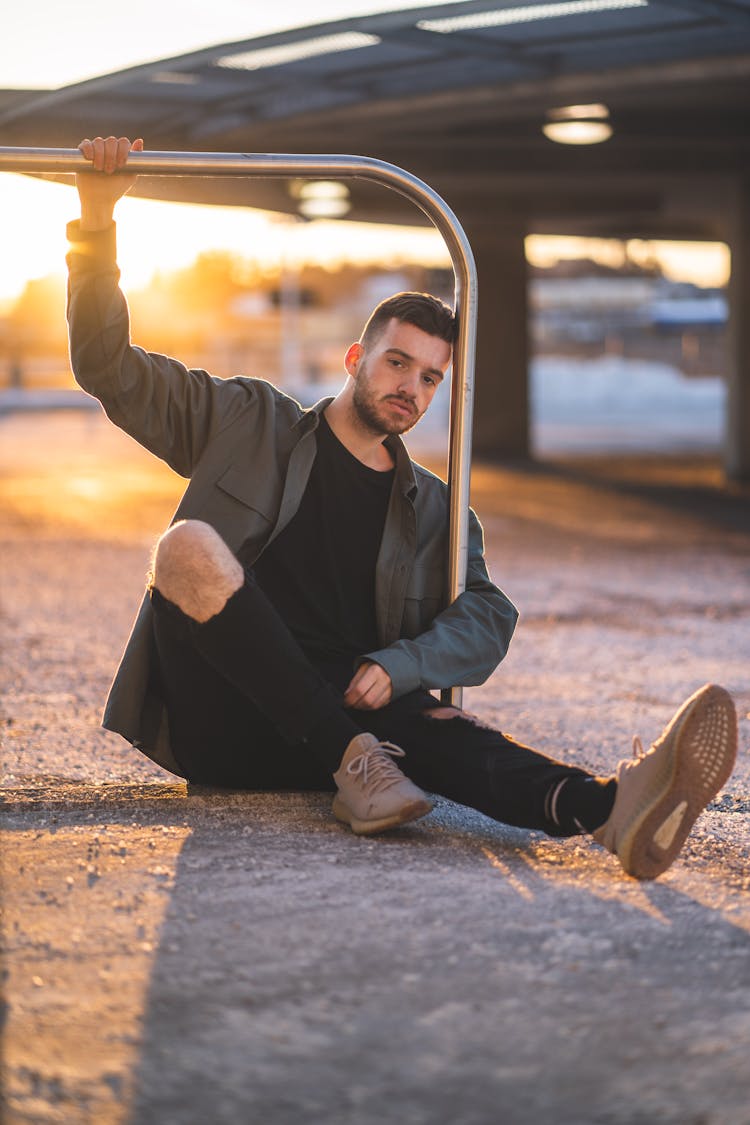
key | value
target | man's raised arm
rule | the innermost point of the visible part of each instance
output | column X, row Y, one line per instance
column 171, row 410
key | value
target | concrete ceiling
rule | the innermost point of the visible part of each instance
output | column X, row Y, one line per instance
column 460, row 106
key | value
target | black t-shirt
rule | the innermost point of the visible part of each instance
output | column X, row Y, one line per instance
column 319, row 572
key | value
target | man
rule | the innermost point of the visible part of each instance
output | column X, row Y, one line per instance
column 293, row 625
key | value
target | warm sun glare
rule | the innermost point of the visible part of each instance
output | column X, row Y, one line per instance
column 156, row 236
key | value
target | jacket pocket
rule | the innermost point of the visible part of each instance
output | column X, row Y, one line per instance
column 241, row 508
column 249, row 491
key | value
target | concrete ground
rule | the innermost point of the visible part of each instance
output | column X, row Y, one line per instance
column 202, row 958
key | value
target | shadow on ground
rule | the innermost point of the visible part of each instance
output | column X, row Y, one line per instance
column 252, row 960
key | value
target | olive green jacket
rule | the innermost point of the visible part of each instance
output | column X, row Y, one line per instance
column 248, row 449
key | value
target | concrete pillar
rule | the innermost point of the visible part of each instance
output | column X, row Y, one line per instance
column 501, row 410
column 737, row 448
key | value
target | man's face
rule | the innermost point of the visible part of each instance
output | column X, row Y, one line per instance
column 396, row 377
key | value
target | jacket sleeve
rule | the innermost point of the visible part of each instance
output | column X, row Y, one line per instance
column 464, row 643
column 171, row 410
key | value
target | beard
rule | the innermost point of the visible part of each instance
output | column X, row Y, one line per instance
column 373, row 413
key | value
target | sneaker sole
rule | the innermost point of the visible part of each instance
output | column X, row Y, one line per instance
column 705, row 748
column 411, row 811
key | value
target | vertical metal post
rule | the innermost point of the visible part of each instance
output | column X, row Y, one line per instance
column 263, row 165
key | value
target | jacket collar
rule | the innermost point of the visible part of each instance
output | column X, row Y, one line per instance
column 404, row 465
column 309, row 418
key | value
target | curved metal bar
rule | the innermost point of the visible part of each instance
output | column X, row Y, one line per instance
column 50, row 161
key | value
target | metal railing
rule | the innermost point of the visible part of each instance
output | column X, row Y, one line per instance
column 50, row 161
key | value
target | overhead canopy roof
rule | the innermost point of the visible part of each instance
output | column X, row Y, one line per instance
column 458, row 95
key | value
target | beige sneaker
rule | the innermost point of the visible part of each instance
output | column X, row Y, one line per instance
column 660, row 794
column 373, row 792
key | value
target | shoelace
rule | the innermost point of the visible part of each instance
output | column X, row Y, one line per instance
column 639, row 753
column 377, row 770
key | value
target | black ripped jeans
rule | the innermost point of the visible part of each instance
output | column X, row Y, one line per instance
column 248, row 710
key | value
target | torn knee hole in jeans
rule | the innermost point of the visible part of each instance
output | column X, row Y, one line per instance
column 443, row 713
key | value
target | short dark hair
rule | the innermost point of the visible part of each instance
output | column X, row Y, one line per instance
column 420, row 309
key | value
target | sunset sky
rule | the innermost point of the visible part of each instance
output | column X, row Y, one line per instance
column 51, row 45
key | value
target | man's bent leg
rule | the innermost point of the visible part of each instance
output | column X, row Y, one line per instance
column 218, row 737
column 232, row 625
column 229, row 621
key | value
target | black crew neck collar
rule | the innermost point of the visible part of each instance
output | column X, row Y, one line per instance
column 325, row 428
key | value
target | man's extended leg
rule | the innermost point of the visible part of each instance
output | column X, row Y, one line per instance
column 229, row 622
column 644, row 815
column 451, row 753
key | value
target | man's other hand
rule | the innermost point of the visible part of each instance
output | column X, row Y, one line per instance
column 100, row 193
column 370, row 688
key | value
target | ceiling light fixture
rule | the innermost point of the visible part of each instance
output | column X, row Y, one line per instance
column 578, row 124
column 303, row 49
column 322, row 199
column 527, row 14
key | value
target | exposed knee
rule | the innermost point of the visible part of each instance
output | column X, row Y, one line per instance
column 194, row 568
column 445, row 713
column 452, row 713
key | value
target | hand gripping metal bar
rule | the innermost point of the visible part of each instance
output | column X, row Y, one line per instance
column 50, row 161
